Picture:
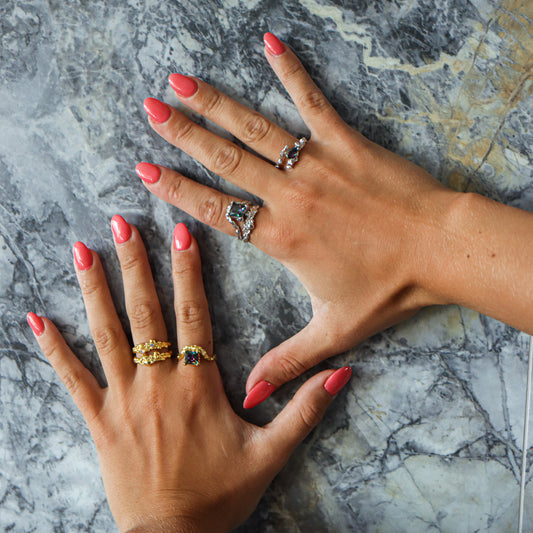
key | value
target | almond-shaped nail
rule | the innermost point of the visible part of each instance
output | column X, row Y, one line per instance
column 148, row 172
column 158, row 111
column 259, row 393
column 183, row 85
column 36, row 323
column 82, row 256
column 182, row 237
column 337, row 380
column 274, row 45
column 121, row 229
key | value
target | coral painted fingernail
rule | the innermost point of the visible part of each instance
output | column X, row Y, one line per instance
column 158, row 110
column 259, row 393
column 36, row 323
column 183, row 85
column 337, row 380
column 148, row 172
column 121, row 229
column 274, row 45
column 182, row 237
column 82, row 256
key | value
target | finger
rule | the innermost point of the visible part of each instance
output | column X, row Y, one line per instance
column 80, row 383
column 304, row 411
column 142, row 302
column 203, row 203
column 252, row 128
column 287, row 361
column 109, row 337
column 217, row 154
column 190, row 303
column 312, row 105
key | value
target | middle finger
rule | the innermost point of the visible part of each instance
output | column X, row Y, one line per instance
column 219, row 155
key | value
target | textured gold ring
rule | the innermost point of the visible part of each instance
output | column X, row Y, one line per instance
column 148, row 353
column 190, row 355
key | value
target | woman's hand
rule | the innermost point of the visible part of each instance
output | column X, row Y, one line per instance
column 351, row 219
column 173, row 454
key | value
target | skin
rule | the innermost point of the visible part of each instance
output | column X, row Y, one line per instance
column 372, row 237
column 174, row 455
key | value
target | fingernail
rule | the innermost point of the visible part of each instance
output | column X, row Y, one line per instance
column 274, row 45
column 158, row 110
column 259, row 393
column 337, row 380
column 36, row 323
column 182, row 237
column 148, row 172
column 121, row 229
column 183, row 85
column 82, row 256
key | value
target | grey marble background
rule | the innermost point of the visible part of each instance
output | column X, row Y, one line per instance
column 428, row 435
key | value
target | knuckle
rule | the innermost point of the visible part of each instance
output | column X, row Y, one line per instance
column 174, row 191
column 310, row 415
column 184, row 268
column 211, row 211
column 255, row 129
column 183, row 130
column 142, row 315
column 226, row 160
column 314, row 100
column 213, row 101
column 293, row 69
column 129, row 262
column 89, row 286
column 291, row 367
column 190, row 313
column 105, row 338
column 72, row 382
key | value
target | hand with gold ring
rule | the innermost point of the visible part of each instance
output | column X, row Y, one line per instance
column 371, row 236
column 164, row 430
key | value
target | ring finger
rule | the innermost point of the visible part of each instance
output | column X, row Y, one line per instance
column 252, row 128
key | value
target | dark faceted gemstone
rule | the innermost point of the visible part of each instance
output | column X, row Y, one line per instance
column 237, row 211
column 191, row 358
column 292, row 153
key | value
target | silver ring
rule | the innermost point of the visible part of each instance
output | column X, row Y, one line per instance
column 291, row 154
column 243, row 213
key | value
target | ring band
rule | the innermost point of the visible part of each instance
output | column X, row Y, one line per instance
column 191, row 355
column 291, row 154
column 148, row 353
column 242, row 212
column 152, row 358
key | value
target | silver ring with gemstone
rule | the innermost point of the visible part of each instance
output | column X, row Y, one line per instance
column 242, row 213
column 291, row 154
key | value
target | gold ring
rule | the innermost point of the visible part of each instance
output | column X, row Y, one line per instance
column 149, row 346
column 147, row 353
column 191, row 355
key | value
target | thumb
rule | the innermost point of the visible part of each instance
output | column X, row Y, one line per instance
column 307, row 348
column 305, row 410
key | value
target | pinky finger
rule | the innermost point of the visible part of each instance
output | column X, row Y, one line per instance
column 79, row 381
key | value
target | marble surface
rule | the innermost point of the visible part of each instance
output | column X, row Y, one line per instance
column 428, row 435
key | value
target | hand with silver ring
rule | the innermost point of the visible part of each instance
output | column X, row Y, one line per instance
column 371, row 236
column 164, row 431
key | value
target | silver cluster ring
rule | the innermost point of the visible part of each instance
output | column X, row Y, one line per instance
column 242, row 213
column 290, row 155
